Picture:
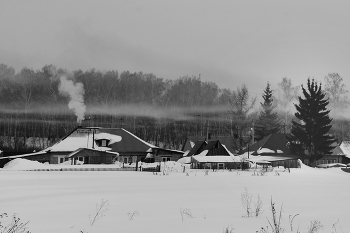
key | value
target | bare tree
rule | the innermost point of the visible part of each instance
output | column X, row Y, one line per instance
column 240, row 105
column 284, row 96
column 336, row 90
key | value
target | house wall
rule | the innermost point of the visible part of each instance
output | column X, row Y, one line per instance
column 232, row 165
column 331, row 159
column 130, row 158
column 40, row 158
column 290, row 163
column 94, row 157
column 172, row 157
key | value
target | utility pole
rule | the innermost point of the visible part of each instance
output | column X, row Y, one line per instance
column 197, row 126
column 253, row 131
column 208, row 131
column 121, row 122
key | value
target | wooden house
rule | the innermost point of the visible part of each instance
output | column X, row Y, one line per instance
column 274, row 149
column 212, row 155
column 98, row 145
column 340, row 155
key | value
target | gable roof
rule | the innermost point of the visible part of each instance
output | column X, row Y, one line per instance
column 89, row 149
column 196, row 148
column 203, row 147
column 273, row 144
column 228, row 141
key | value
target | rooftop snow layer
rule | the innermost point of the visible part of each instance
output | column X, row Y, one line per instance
column 111, row 137
column 215, row 159
column 345, row 147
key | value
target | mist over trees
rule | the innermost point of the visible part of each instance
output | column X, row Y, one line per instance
column 158, row 110
column 35, row 114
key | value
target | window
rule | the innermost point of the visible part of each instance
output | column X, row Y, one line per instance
column 220, row 166
column 125, row 159
column 165, row 159
column 104, row 143
column 61, row 160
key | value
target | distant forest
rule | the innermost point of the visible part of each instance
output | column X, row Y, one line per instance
column 35, row 113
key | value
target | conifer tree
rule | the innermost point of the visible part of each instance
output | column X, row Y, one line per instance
column 310, row 135
column 268, row 121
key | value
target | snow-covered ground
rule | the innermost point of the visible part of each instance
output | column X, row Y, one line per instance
column 65, row 201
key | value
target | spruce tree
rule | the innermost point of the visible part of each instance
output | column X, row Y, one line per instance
column 268, row 121
column 310, row 135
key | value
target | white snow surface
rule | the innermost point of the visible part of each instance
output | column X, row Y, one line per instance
column 185, row 160
column 65, row 201
column 264, row 150
column 192, row 144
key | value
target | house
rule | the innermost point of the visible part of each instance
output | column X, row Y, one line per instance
column 91, row 145
column 211, row 155
column 164, row 155
column 340, row 155
column 274, row 149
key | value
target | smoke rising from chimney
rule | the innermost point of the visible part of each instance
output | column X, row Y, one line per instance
column 75, row 92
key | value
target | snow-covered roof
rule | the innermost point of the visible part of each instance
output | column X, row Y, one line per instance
column 111, row 137
column 24, row 155
column 120, row 140
column 215, row 159
column 345, row 147
column 269, row 158
column 185, row 160
column 72, row 143
column 268, row 151
column 80, row 149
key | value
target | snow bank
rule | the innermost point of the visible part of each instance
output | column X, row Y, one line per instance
column 22, row 164
column 304, row 166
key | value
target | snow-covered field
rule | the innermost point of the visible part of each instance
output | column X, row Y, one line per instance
column 66, row 201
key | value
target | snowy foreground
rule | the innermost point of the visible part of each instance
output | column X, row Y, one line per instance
column 66, row 201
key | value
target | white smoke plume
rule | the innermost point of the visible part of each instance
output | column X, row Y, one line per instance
column 75, row 92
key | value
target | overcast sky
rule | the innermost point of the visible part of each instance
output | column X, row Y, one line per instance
column 228, row 42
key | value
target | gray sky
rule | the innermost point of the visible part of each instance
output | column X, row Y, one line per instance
column 228, row 42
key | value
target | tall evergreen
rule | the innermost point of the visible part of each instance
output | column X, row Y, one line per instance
column 268, row 121
column 310, row 135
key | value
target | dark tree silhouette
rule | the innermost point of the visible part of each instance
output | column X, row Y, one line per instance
column 310, row 135
column 268, row 121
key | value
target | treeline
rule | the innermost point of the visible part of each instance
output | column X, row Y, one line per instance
column 34, row 88
column 158, row 110
column 34, row 114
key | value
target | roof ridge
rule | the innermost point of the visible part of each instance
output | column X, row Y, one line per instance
column 143, row 141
